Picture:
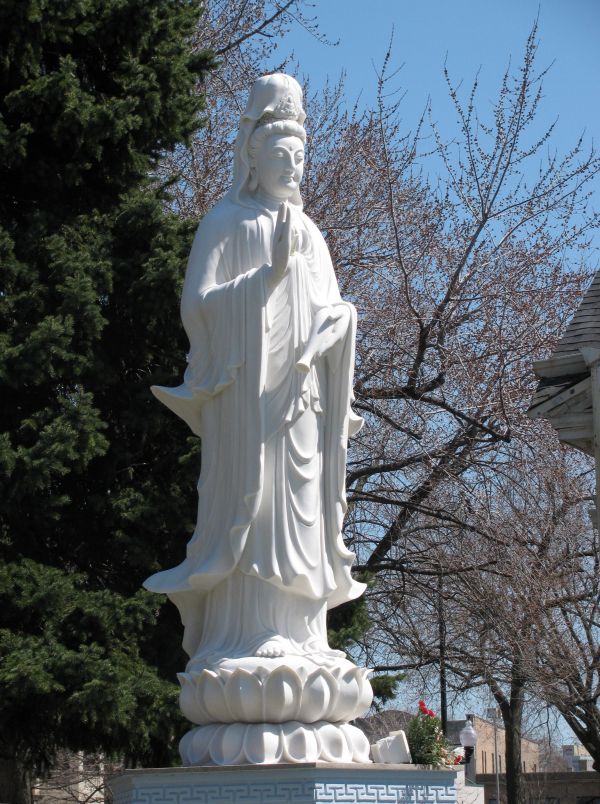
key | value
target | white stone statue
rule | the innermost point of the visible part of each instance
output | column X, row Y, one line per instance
column 268, row 389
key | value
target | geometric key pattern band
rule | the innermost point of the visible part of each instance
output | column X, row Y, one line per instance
column 289, row 792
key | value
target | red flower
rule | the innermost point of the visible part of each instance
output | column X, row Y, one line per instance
column 431, row 713
column 457, row 760
column 421, row 704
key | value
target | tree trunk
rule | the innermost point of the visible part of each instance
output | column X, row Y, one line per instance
column 512, row 714
column 15, row 782
column 512, row 717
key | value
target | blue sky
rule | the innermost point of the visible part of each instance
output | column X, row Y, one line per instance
column 471, row 35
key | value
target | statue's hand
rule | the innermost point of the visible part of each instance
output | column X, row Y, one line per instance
column 329, row 327
column 283, row 244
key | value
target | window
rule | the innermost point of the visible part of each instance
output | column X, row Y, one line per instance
column 483, row 762
column 493, row 764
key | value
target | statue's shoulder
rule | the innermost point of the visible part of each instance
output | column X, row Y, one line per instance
column 313, row 229
column 225, row 219
column 220, row 216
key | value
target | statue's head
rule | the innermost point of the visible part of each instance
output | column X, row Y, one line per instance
column 269, row 150
column 276, row 159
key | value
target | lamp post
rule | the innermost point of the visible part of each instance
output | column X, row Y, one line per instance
column 468, row 740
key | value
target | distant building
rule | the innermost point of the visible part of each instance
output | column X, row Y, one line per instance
column 577, row 758
column 76, row 778
column 491, row 747
column 491, row 743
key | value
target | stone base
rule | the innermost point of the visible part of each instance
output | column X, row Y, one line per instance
column 308, row 783
column 271, row 743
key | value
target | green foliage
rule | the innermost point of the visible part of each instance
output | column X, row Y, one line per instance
column 72, row 655
column 385, row 687
column 426, row 740
column 93, row 91
column 347, row 624
column 95, row 493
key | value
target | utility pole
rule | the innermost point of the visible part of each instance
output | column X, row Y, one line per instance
column 442, row 644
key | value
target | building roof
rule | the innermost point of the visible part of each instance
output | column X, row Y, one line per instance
column 563, row 394
column 584, row 328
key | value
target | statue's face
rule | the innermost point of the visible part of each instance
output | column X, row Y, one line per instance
column 279, row 166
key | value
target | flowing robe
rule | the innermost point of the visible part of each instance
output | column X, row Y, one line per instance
column 274, row 438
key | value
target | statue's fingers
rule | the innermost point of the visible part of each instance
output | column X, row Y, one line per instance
column 287, row 230
column 281, row 215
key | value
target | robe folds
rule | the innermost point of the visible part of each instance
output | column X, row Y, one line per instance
column 271, row 497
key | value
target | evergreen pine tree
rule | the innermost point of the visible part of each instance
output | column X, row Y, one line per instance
column 95, row 492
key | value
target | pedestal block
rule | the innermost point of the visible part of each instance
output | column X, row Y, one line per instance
column 307, row 783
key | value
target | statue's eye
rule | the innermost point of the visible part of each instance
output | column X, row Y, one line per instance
column 299, row 157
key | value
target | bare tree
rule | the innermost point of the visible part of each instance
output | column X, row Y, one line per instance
column 540, row 538
column 567, row 669
column 523, row 554
column 472, row 276
column 76, row 779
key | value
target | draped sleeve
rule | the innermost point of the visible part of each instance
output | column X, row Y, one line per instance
column 218, row 306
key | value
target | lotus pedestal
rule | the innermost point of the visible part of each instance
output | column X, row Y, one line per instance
column 265, row 711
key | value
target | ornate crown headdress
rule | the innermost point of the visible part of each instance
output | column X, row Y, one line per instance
column 286, row 109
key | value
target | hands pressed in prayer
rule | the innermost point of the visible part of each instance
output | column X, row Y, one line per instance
column 284, row 244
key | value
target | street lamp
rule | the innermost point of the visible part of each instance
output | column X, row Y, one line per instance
column 468, row 740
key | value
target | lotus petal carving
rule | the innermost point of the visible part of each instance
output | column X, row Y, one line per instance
column 275, row 695
column 335, row 746
column 283, row 694
column 243, row 696
column 271, row 743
